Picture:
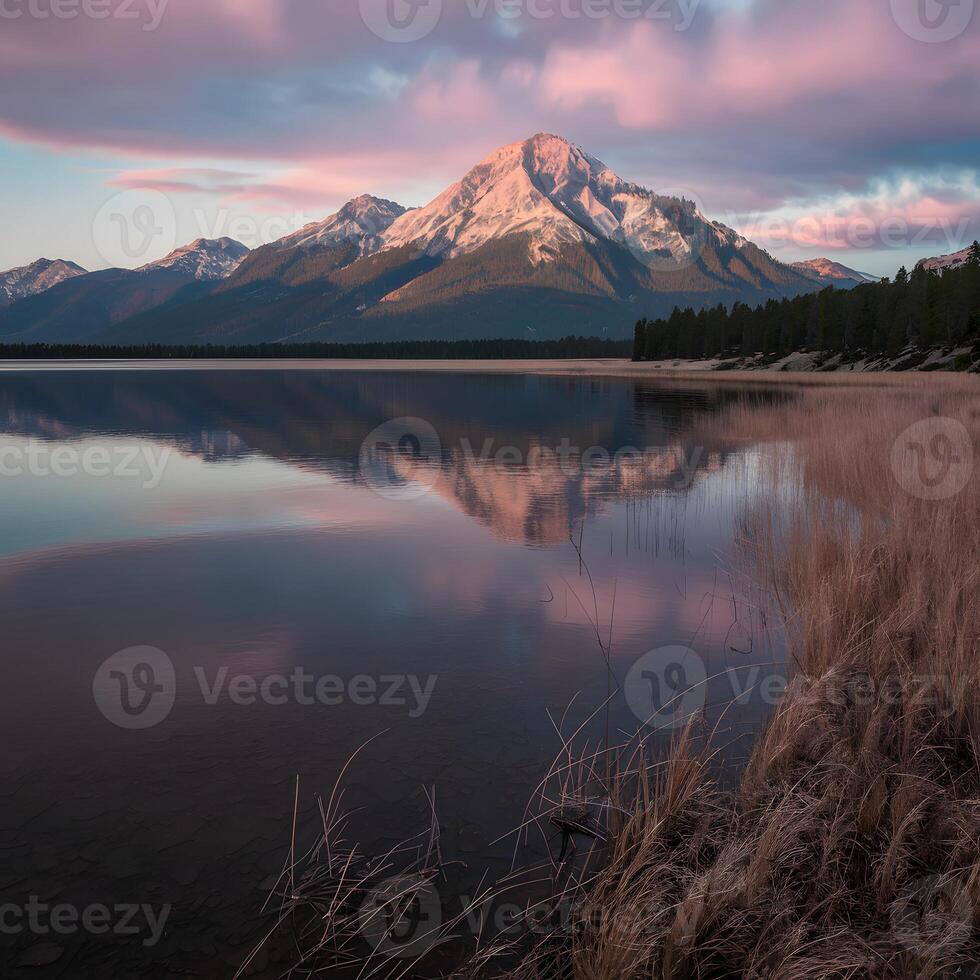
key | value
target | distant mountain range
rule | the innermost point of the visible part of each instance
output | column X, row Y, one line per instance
column 538, row 241
column 84, row 307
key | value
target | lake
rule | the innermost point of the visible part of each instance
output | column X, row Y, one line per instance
column 214, row 581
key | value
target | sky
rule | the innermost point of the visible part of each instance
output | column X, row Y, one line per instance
column 840, row 128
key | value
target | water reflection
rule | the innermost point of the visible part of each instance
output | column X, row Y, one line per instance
column 264, row 550
column 530, row 457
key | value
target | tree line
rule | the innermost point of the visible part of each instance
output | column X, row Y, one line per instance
column 567, row 347
column 922, row 308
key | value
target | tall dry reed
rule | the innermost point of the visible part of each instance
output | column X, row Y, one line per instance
column 851, row 847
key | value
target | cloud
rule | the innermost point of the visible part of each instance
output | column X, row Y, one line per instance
column 934, row 214
column 765, row 106
column 183, row 180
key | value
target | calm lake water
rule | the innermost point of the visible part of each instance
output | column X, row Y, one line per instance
column 295, row 591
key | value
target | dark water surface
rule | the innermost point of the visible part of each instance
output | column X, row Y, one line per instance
column 436, row 588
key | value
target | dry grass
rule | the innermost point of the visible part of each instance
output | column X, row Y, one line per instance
column 851, row 847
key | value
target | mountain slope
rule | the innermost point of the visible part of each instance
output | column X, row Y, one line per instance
column 952, row 261
column 830, row 273
column 205, row 260
column 81, row 307
column 362, row 220
column 29, row 280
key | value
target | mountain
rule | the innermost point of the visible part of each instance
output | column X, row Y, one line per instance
column 952, row 261
column 539, row 240
column 830, row 273
column 362, row 220
column 556, row 194
column 85, row 305
column 205, row 260
column 29, row 280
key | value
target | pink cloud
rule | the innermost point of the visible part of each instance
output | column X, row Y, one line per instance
column 890, row 215
column 753, row 66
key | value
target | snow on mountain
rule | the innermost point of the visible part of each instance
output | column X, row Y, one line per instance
column 951, row 261
column 29, row 280
column 831, row 273
column 364, row 219
column 557, row 193
column 206, row 259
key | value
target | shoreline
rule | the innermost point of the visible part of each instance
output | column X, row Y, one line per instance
column 698, row 372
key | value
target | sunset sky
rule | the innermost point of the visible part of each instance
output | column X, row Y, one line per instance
column 846, row 128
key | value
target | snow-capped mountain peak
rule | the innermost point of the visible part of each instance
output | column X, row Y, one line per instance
column 555, row 192
column 951, row 261
column 206, row 259
column 29, row 280
column 362, row 220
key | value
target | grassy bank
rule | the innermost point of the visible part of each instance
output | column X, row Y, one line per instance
column 852, row 845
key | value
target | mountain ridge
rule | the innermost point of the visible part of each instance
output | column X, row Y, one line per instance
column 831, row 273
column 538, row 239
column 951, row 261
